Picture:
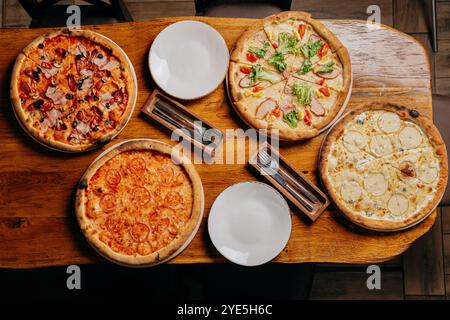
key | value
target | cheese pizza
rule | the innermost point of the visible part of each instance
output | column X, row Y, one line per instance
column 73, row 90
column 293, row 51
column 384, row 166
column 138, row 205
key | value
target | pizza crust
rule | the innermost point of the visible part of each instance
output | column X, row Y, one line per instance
column 33, row 44
column 239, row 47
column 234, row 88
column 14, row 92
column 24, row 119
column 182, row 237
column 383, row 225
column 318, row 26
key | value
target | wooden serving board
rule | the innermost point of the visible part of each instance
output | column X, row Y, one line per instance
column 37, row 223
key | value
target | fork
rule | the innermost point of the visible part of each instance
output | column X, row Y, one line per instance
column 266, row 164
column 268, row 159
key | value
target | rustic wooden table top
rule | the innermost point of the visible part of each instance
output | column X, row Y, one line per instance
column 37, row 224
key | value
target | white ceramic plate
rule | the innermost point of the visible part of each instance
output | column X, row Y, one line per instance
column 249, row 223
column 188, row 59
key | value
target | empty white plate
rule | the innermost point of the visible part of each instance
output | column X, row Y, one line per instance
column 249, row 223
column 188, row 59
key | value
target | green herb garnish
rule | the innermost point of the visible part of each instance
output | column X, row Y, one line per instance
column 327, row 68
column 303, row 93
column 260, row 52
column 288, row 44
column 278, row 61
column 306, row 67
column 291, row 119
column 310, row 49
column 255, row 73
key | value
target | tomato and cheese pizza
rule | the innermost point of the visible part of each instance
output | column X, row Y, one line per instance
column 288, row 73
column 138, row 207
column 73, row 90
column 384, row 166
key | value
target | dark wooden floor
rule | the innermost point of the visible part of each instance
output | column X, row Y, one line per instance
column 423, row 272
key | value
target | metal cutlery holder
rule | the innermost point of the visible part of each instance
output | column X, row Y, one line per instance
column 291, row 183
column 174, row 116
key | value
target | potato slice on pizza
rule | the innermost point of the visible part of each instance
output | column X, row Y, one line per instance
column 404, row 170
column 349, row 152
column 387, row 134
column 411, row 178
column 415, row 166
column 409, row 136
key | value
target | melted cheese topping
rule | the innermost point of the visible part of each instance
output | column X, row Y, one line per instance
column 73, row 89
column 139, row 201
column 383, row 167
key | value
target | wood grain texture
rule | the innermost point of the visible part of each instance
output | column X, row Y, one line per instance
column 425, row 40
column 332, row 9
column 352, row 286
column 443, row 19
column 442, row 58
column 411, row 16
column 142, row 10
column 445, row 213
column 394, row 264
column 447, row 286
column 423, row 264
column 443, row 86
column 1, row 12
column 424, row 297
column 14, row 15
column 446, row 239
column 37, row 185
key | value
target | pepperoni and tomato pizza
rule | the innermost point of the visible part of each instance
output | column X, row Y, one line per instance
column 138, row 207
column 288, row 73
column 73, row 90
column 384, row 166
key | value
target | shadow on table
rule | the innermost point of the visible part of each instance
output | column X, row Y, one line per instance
column 213, row 281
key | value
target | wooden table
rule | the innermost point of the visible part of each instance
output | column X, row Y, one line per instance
column 37, row 224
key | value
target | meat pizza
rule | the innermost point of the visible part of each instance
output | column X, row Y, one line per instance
column 289, row 73
column 140, row 203
column 384, row 166
column 73, row 90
